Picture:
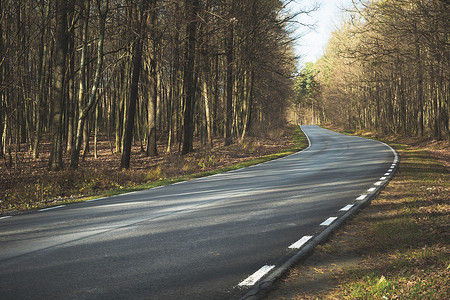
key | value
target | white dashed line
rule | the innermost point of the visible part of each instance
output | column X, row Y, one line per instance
column 298, row 244
column 362, row 197
column 5, row 217
column 50, row 208
column 180, row 182
column 383, row 178
column 378, row 183
column 372, row 189
column 328, row 221
column 252, row 279
column 346, row 208
column 387, row 174
column 97, row 199
column 390, row 170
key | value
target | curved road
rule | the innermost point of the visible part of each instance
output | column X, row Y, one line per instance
column 200, row 239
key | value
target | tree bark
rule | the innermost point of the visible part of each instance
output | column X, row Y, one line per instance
column 207, row 112
column 134, row 87
column 56, row 156
column 153, row 97
column 84, row 110
column 189, row 85
column 2, row 94
column 229, row 100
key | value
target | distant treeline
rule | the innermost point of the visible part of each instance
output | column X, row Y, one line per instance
column 387, row 68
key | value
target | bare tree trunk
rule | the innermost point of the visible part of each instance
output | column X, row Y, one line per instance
column 192, row 7
column 96, row 131
column 229, row 101
column 56, row 156
column 151, row 116
column 42, row 74
column 2, row 93
column 248, row 103
column 93, row 97
column 153, row 97
column 131, row 110
column 207, row 112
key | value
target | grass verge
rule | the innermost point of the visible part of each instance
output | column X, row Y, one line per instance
column 396, row 248
column 70, row 186
column 299, row 142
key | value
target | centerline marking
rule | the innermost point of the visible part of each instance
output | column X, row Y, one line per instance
column 50, row 208
column 252, row 279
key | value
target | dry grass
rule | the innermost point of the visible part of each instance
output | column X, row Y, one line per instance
column 25, row 183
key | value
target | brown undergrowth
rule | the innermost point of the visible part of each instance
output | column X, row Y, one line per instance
column 396, row 248
column 26, row 183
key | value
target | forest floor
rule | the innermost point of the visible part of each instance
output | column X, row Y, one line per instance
column 26, row 183
column 395, row 248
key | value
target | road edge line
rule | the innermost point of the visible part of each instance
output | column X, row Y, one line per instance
column 263, row 288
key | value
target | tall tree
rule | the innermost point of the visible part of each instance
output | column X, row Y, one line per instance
column 58, row 99
column 93, row 96
column 192, row 7
column 153, row 97
column 141, row 23
column 229, row 56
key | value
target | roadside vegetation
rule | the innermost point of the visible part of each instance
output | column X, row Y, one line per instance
column 385, row 69
column 384, row 75
column 32, row 186
column 396, row 248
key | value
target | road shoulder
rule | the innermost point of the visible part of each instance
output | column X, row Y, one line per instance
column 396, row 247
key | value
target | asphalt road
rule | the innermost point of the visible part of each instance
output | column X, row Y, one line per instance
column 193, row 240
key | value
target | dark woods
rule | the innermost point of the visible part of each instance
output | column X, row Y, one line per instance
column 140, row 72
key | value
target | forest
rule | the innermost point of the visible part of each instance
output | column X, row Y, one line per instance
column 163, row 88
column 139, row 72
column 386, row 68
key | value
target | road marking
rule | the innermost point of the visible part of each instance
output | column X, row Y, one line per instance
column 383, row 178
column 390, row 170
column 387, row 174
column 97, row 199
column 180, row 182
column 346, row 208
column 378, row 183
column 252, row 279
column 362, row 197
column 5, row 217
column 372, row 189
column 50, row 208
column 309, row 141
column 298, row 244
column 328, row 221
